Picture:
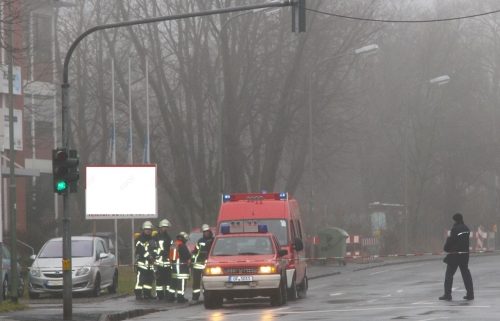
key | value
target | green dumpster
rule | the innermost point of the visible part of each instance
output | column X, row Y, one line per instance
column 332, row 245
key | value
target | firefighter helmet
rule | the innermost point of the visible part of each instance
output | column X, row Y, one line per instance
column 164, row 223
column 205, row 228
column 147, row 225
column 183, row 235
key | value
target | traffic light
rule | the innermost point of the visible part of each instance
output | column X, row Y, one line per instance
column 299, row 16
column 74, row 171
column 65, row 170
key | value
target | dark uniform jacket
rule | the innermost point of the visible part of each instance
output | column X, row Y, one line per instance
column 200, row 253
column 145, row 251
column 180, row 260
column 457, row 245
column 163, row 249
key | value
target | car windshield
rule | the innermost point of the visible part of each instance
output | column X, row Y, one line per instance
column 245, row 245
column 79, row 248
column 275, row 226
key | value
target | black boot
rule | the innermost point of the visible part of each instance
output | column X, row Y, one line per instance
column 196, row 296
column 469, row 297
column 147, row 294
column 445, row 297
column 171, row 297
column 138, row 294
column 160, row 295
column 181, row 299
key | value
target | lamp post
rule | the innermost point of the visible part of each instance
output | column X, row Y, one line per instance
column 365, row 50
column 437, row 81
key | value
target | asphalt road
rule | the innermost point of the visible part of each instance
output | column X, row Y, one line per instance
column 406, row 291
column 397, row 292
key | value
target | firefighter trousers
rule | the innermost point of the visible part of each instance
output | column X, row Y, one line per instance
column 163, row 282
column 144, row 283
column 197, row 283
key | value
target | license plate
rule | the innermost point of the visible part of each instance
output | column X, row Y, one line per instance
column 54, row 282
column 241, row 278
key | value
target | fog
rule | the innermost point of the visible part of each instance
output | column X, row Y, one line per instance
column 239, row 103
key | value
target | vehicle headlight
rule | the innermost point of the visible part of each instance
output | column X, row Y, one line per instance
column 82, row 271
column 35, row 272
column 266, row 269
column 215, row 270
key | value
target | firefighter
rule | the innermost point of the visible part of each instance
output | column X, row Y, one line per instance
column 457, row 246
column 145, row 248
column 200, row 254
column 163, row 268
column 179, row 258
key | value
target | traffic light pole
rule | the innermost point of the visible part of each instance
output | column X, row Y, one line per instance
column 14, row 275
column 67, row 282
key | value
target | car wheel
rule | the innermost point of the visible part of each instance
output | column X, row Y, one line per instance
column 5, row 288
column 279, row 297
column 292, row 291
column 303, row 286
column 112, row 288
column 33, row 295
column 212, row 300
column 96, row 291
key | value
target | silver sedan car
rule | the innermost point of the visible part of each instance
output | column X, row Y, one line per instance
column 94, row 268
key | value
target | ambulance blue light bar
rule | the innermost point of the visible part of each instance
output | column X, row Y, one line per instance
column 225, row 229
column 283, row 196
column 247, row 227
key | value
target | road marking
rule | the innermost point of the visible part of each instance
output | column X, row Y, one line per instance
column 379, row 272
column 387, row 296
column 336, row 294
column 438, row 318
column 400, row 291
column 423, row 302
column 444, row 307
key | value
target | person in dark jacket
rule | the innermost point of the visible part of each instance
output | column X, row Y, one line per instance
column 163, row 267
column 457, row 247
column 145, row 252
column 179, row 258
column 200, row 254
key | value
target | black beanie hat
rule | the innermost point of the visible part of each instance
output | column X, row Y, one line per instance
column 458, row 218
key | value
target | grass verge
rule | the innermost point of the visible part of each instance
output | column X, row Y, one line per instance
column 126, row 280
column 7, row 306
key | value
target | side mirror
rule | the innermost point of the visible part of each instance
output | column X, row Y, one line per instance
column 282, row 252
column 298, row 245
column 103, row 255
column 33, row 257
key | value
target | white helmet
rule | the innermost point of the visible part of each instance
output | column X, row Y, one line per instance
column 147, row 225
column 164, row 223
column 205, row 228
column 184, row 235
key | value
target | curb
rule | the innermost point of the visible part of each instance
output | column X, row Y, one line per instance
column 126, row 314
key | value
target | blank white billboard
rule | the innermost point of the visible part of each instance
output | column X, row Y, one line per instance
column 121, row 192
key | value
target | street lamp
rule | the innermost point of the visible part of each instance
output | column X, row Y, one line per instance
column 365, row 50
column 437, row 81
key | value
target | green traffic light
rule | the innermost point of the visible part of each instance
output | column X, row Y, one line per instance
column 61, row 186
